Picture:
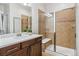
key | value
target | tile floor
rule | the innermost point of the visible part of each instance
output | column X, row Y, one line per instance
column 60, row 51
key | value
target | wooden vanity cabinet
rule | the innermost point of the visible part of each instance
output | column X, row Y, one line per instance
column 34, row 47
column 27, row 48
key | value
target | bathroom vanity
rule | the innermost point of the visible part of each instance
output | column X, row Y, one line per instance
column 21, row 46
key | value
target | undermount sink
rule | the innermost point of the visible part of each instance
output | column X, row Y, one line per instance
column 21, row 36
column 13, row 39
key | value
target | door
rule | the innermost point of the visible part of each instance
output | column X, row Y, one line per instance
column 30, row 22
column 42, row 22
column 24, row 23
column 65, row 31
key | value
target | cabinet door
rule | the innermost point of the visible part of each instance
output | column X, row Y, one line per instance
column 36, row 49
column 23, row 52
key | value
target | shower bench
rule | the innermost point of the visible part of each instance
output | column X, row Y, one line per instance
column 45, row 43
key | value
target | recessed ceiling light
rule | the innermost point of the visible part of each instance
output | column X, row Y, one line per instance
column 25, row 4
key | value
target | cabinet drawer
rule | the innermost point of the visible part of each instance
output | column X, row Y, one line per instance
column 23, row 52
column 38, row 39
column 10, row 49
column 27, row 43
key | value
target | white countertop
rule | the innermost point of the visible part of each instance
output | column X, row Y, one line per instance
column 4, row 42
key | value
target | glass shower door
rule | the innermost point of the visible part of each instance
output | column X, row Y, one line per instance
column 65, row 31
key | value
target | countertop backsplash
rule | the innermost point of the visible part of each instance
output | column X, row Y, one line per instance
column 7, row 35
column 12, row 35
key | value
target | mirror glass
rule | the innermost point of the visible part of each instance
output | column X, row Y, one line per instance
column 15, row 17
